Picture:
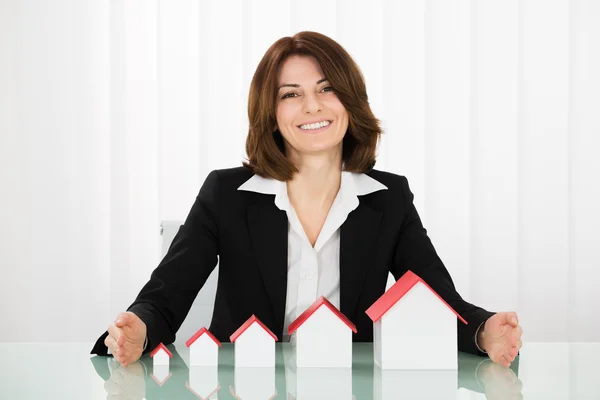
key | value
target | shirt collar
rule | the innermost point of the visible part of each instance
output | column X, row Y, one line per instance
column 352, row 185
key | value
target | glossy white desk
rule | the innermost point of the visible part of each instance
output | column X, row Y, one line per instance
column 68, row 371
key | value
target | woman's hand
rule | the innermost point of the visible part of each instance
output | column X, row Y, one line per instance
column 126, row 338
column 500, row 337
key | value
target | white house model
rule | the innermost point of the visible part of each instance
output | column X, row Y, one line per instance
column 413, row 327
column 204, row 349
column 160, row 355
column 160, row 360
column 323, row 336
column 254, row 344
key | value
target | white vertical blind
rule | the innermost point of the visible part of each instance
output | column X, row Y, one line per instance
column 113, row 113
column 493, row 168
column 179, row 61
column 544, row 168
column 584, row 191
column 403, row 69
column 447, row 134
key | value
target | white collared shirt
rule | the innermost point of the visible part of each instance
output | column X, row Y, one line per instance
column 314, row 271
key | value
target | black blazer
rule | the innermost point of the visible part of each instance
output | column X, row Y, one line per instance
column 249, row 235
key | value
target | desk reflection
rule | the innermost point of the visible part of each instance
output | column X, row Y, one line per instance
column 363, row 382
column 203, row 381
column 417, row 384
column 254, row 383
column 318, row 383
column 125, row 383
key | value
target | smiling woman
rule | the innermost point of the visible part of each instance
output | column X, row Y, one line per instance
column 302, row 81
column 306, row 217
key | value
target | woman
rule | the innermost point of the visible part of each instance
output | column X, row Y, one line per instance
column 305, row 216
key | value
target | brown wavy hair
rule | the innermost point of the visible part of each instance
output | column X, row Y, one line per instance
column 265, row 144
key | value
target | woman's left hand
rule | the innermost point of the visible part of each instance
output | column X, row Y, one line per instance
column 501, row 337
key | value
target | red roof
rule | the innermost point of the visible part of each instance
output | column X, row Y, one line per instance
column 396, row 292
column 321, row 301
column 246, row 325
column 161, row 346
column 202, row 331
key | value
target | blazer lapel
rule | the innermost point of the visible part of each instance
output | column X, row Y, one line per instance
column 357, row 237
column 268, row 227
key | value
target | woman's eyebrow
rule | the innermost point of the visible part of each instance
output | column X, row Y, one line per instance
column 296, row 85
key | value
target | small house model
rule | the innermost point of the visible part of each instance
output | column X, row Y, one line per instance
column 323, row 336
column 413, row 327
column 254, row 344
column 204, row 349
column 161, row 355
column 160, row 360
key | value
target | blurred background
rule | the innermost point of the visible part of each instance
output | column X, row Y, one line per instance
column 112, row 113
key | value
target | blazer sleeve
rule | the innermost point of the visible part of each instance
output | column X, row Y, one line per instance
column 415, row 251
column 165, row 300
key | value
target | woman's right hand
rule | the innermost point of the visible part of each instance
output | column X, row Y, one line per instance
column 126, row 337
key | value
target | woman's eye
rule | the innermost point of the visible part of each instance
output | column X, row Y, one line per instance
column 290, row 94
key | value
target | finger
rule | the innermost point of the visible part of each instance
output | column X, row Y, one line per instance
column 508, row 355
column 116, row 333
column 129, row 347
column 504, row 362
column 514, row 338
column 122, row 319
column 513, row 319
column 111, row 344
column 122, row 358
column 125, row 354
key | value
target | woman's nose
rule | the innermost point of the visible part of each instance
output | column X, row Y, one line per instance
column 311, row 104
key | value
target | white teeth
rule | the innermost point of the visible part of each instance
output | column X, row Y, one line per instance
column 318, row 125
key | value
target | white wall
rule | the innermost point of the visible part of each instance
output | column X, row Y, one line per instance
column 112, row 114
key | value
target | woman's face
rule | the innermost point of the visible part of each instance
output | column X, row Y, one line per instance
column 305, row 101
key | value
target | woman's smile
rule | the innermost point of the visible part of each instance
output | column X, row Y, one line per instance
column 318, row 130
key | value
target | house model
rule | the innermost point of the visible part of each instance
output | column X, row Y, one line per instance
column 254, row 344
column 204, row 349
column 413, row 327
column 160, row 359
column 161, row 355
column 323, row 336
